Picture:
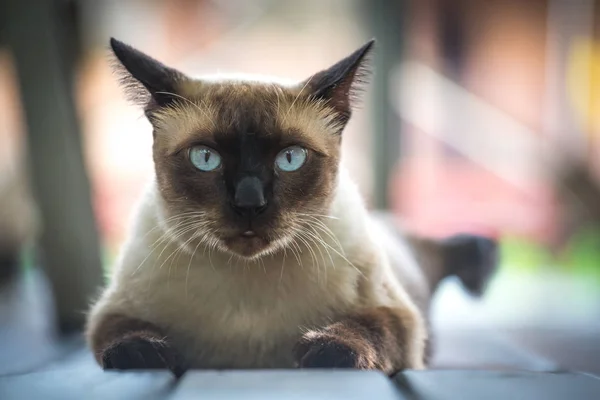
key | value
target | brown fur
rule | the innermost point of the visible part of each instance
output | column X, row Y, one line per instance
column 122, row 342
column 371, row 339
column 114, row 328
column 278, row 118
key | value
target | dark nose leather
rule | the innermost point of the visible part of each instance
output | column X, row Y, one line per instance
column 249, row 198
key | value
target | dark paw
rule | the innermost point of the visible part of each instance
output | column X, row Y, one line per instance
column 473, row 259
column 138, row 352
column 322, row 350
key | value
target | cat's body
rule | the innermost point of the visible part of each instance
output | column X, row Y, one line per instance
column 252, row 248
column 222, row 312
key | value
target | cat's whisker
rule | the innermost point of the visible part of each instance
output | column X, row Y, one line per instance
column 262, row 262
column 319, row 248
column 183, row 214
column 323, row 243
column 344, row 258
column 317, row 215
column 201, row 240
column 173, row 240
column 172, row 235
column 296, row 251
column 315, row 218
column 322, row 270
column 171, row 231
column 152, row 249
column 323, row 228
column 170, row 269
column 179, row 247
column 187, row 274
column 164, row 237
column 194, row 235
column 313, row 256
column 211, row 247
column 282, row 265
column 315, row 237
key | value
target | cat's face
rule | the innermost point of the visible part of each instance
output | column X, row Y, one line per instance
column 244, row 166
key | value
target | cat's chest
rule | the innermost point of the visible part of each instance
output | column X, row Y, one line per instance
column 248, row 321
column 252, row 303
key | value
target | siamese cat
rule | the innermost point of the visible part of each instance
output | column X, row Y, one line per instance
column 252, row 248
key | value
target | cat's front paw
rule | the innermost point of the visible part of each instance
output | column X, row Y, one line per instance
column 141, row 352
column 326, row 350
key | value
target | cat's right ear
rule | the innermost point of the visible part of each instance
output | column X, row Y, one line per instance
column 146, row 81
column 340, row 85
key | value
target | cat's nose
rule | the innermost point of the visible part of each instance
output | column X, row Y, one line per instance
column 249, row 198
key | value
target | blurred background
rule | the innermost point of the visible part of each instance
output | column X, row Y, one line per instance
column 482, row 116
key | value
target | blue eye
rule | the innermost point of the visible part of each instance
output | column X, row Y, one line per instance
column 291, row 159
column 204, row 158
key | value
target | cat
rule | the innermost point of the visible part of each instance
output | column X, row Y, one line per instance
column 252, row 247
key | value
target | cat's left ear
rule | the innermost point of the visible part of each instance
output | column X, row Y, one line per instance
column 340, row 85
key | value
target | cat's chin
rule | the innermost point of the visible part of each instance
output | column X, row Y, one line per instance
column 248, row 247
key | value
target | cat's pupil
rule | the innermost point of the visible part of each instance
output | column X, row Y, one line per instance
column 206, row 156
column 288, row 155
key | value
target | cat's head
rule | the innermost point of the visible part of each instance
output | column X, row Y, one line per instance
column 243, row 165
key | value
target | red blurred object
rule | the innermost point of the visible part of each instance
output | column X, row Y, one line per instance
column 460, row 197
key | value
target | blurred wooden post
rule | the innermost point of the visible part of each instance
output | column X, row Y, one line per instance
column 386, row 25
column 69, row 240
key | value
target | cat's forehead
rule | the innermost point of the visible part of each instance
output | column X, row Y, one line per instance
column 237, row 105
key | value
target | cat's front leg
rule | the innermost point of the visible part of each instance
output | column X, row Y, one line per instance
column 381, row 338
column 121, row 343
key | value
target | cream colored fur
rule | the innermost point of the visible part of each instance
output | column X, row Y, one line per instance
column 223, row 312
